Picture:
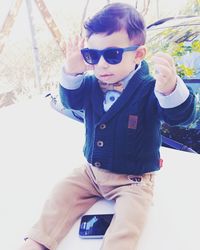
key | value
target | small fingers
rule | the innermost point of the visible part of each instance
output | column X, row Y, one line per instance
column 69, row 43
column 164, row 64
column 81, row 43
column 75, row 41
column 74, row 45
column 163, row 57
column 162, row 72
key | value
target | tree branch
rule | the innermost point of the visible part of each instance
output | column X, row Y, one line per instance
column 8, row 23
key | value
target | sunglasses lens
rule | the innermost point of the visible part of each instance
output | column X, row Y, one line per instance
column 90, row 56
column 113, row 56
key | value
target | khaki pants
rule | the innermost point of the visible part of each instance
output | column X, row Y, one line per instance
column 72, row 197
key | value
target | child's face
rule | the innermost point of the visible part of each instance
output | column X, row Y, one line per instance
column 112, row 73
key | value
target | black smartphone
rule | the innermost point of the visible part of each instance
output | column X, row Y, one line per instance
column 94, row 225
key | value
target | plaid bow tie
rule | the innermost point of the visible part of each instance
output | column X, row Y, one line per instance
column 105, row 87
column 112, row 92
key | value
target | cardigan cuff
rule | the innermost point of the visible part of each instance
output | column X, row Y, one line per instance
column 71, row 81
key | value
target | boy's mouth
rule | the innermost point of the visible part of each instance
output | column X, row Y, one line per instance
column 104, row 75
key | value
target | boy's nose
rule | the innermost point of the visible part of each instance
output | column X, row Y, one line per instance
column 102, row 63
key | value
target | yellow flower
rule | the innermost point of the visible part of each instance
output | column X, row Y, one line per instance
column 187, row 71
column 179, row 49
column 196, row 45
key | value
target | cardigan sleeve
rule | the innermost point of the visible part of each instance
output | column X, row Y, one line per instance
column 76, row 98
column 182, row 114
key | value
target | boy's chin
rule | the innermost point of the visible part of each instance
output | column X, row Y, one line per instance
column 108, row 80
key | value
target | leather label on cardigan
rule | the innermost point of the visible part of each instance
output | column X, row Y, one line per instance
column 132, row 121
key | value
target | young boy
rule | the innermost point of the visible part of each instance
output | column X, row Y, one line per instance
column 123, row 106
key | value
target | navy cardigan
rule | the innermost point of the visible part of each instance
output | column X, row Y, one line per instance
column 125, row 139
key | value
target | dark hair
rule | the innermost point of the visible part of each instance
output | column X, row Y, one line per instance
column 114, row 17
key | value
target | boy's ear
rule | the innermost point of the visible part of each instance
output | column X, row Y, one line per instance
column 140, row 54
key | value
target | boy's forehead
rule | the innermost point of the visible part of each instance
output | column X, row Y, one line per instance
column 103, row 40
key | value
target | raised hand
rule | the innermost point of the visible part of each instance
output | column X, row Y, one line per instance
column 165, row 73
column 74, row 63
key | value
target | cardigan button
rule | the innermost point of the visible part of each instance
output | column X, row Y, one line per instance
column 100, row 144
column 97, row 164
column 102, row 126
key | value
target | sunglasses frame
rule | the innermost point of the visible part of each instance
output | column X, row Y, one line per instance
column 102, row 52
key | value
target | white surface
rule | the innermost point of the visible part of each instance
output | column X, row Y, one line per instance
column 38, row 146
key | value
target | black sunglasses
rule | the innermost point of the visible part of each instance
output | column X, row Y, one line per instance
column 110, row 55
